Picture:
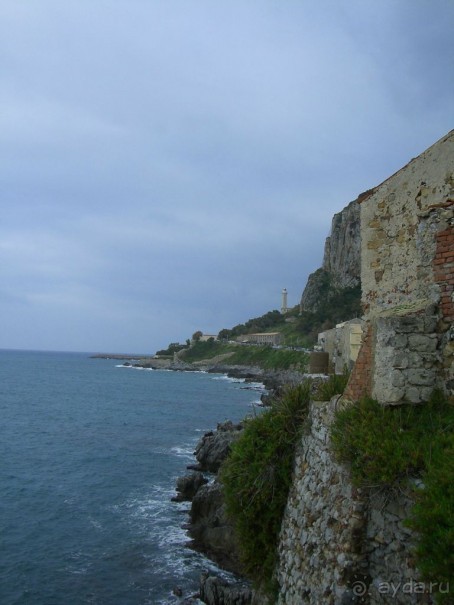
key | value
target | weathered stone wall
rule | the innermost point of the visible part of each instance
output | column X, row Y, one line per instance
column 407, row 276
column 407, row 360
column 399, row 223
column 338, row 544
column 321, row 536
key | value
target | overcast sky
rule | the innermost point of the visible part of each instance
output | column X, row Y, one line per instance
column 168, row 166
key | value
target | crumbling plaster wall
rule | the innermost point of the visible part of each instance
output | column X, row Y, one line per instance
column 407, row 276
column 399, row 223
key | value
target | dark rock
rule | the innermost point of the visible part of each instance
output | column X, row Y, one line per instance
column 194, row 467
column 188, row 486
column 211, row 531
column 214, row 447
column 216, row 591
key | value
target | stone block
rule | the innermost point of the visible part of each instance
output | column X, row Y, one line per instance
column 413, row 395
column 420, row 377
column 397, row 378
column 385, row 392
column 430, row 324
column 422, row 342
column 401, row 360
column 400, row 341
column 410, row 325
column 426, row 392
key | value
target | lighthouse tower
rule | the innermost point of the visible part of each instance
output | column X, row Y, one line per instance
column 284, row 307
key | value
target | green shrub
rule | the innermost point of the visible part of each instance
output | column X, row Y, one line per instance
column 268, row 358
column 433, row 517
column 385, row 445
column 256, row 479
column 335, row 385
column 205, row 349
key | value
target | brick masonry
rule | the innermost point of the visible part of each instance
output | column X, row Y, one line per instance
column 360, row 382
column 444, row 271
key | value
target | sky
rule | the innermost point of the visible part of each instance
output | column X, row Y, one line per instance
column 168, row 166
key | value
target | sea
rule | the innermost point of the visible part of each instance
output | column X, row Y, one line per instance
column 89, row 454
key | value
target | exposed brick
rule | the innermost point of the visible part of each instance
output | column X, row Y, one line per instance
column 443, row 265
column 360, row 382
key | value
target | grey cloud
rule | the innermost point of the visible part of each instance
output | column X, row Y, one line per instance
column 170, row 166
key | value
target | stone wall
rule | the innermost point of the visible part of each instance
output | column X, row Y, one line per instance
column 400, row 220
column 338, row 544
column 407, row 276
column 407, row 359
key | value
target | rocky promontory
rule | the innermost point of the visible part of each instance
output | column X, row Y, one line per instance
column 209, row 529
column 214, row 447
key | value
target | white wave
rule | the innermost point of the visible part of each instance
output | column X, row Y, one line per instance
column 255, row 386
column 121, row 365
column 229, row 378
column 257, row 402
column 96, row 524
column 183, row 451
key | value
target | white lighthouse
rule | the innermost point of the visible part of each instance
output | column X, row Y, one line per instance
column 284, row 307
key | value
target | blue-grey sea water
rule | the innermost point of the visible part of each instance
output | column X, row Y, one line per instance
column 89, row 454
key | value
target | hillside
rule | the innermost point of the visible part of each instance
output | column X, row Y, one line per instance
column 332, row 295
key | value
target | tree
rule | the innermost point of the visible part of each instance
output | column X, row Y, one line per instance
column 197, row 336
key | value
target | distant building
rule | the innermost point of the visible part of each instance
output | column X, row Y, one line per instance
column 342, row 343
column 284, row 307
column 262, row 338
column 206, row 337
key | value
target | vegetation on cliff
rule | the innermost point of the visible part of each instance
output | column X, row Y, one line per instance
column 386, row 445
column 263, row 356
column 301, row 328
column 256, row 478
column 334, row 307
column 272, row 319
column 257, row 475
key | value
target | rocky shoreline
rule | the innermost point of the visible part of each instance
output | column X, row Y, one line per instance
column 273, row 380
column 209, row 529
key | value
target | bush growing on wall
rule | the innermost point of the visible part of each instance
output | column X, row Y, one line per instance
column 256, row 479
column 384, row 445
column 433, row 517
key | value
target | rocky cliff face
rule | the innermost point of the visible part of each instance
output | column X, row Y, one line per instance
column 341, row 266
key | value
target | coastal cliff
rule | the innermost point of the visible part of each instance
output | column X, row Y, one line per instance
column 346, row 542
column 341, row 267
